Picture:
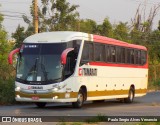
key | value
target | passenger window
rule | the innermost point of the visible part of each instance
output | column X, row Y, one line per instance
column 139, row 57
column 74, row 44
column 119, row 54
column 87, row 53
column 143, row 57
column 99, row 52
column 123, row 56
column 113, row 54
column 132, row 56
column 91, row 52
column 128, row 56
column 136, row 56
column 108, row 55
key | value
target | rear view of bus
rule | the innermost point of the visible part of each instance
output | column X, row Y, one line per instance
column 64, row 67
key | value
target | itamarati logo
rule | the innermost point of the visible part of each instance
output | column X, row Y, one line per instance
column 87, row 72
column 35, row 87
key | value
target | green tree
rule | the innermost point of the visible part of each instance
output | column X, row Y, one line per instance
column 121, row 32
column 88, row 26
column 5, row 47
column 153, row 46
column 105, row 29
column 7, row 71
column 55, row 15
column 19, row 35
column 136, row 36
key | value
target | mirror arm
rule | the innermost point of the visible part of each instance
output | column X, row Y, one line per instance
column 10, row 56
column 64, row 55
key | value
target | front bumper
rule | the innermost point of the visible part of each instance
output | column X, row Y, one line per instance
column 47, row 97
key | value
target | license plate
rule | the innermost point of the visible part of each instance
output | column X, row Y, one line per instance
column 35, row 98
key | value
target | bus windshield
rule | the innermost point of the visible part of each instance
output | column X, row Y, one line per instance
column 40, row 62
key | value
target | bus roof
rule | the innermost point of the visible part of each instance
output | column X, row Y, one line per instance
column 65, row 36
column 55, row 37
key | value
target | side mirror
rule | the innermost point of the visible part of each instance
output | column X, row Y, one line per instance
column 10, row 56
column 64, row 55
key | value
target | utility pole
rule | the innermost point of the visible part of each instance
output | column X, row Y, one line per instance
column 36, row 16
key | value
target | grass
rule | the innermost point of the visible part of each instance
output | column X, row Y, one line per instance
column 96, row 119
column 93, row 121
column 154, row 85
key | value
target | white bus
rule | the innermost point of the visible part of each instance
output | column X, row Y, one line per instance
column 75, row 67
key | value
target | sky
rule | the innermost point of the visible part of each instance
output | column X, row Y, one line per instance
column 98, row 10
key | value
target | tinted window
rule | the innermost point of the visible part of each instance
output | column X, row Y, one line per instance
column 74, row 44
column 132, row 56
column 99, row 52
column 143, row 57
column 108, row 55
column 137, row 57
column 119, row 54
column 91, row 52
column 113, row 53
column 87, row 53
column 128, row 56
column 123, row 55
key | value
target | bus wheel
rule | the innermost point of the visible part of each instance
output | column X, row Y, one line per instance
column 130, row 96
column 80, row 100
column 40, row 104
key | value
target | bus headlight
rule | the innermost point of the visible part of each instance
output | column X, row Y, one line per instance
column 17, row 88
column 57, row 87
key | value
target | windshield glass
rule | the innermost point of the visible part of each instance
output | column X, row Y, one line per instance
column 40, row 62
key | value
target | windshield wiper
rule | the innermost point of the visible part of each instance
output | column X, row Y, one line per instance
column 33, row 69
column 44, row 72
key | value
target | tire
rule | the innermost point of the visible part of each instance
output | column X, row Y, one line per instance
column 40, row 104
column 130, row 96
column 80, row 100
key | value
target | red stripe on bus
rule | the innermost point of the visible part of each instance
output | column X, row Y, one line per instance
column 118, row 65
column 106, row 40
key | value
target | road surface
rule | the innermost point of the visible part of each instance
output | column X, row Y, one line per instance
column 148, row 105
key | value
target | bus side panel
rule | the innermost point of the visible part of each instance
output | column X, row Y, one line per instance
column 114, row 82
